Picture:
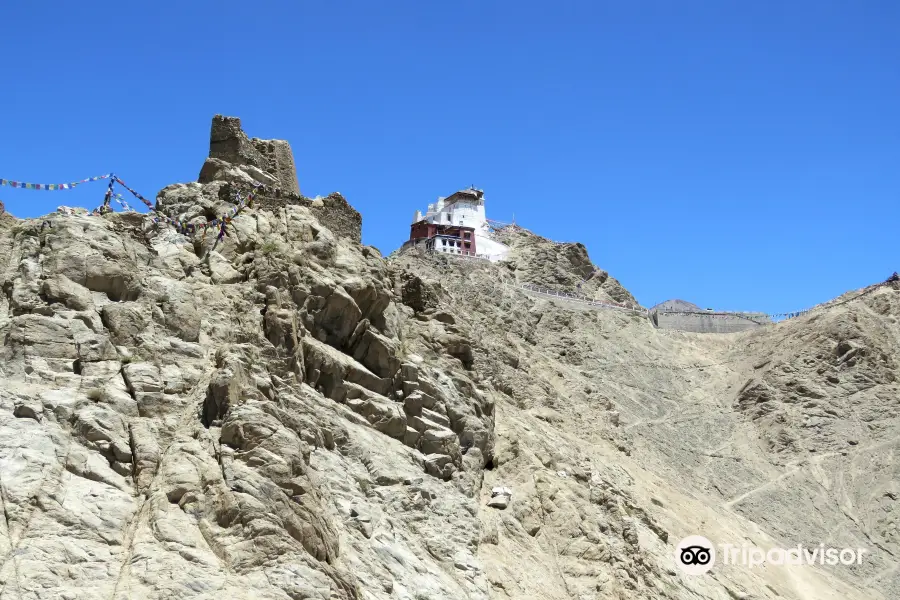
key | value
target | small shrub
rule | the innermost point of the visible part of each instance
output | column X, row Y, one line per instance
column 270, row 247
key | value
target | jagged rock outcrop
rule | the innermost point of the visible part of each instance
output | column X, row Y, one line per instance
column 237, row 418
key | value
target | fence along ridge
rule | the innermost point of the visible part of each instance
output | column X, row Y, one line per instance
column 578, row 298
column 750, row 316
column 746, row 315
column 788, row 315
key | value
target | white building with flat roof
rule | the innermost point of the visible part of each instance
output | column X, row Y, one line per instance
column 464, row 209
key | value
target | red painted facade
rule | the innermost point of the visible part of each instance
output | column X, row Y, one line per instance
column 452, row 239
column 422, row 230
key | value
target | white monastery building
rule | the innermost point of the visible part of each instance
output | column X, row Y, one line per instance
column 457, row 224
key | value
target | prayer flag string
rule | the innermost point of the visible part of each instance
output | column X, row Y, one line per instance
column 50, row 186
column 182, row 227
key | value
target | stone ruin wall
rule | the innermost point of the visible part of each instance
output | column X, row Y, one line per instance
column 272, row 163
column 279, row 157
column 336, row 214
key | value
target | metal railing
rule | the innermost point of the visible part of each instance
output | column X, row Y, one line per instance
column 477, row 257
column 579, row 299
column 755, row 317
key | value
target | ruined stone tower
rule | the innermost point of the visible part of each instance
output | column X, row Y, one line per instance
column 270, row 162
column 242, row 161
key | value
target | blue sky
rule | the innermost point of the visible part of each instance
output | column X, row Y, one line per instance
column 740, row 155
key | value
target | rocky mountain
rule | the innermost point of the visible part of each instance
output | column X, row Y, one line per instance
column 676, row 305
column 286, row 414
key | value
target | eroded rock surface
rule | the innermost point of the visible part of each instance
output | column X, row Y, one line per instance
column 245, row 421
column 620, row 439
column 288, row 415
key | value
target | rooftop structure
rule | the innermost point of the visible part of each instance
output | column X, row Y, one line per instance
column 456, row 224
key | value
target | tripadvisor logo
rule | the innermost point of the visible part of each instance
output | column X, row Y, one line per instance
column 696, row 555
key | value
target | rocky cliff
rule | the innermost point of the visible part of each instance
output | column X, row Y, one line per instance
column 286, row 414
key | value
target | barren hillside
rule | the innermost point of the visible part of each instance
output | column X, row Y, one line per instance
column 775, row 437
column 286, row 414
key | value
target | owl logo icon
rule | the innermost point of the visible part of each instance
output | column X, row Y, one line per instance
column 695, row 555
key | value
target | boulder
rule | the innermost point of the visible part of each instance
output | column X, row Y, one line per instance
column 144, row 383
column 28, row 409
column 440, row 466
column 419, row 295
column 338, row 317
column 369, row 296
column 328, row 368
column 125, row 321
column 44, row 336
column 439, row 441
column 377, row 353
column 384, row 416
column 221, row 270
column 60, row 288
column 92, row 347
column 500, row 498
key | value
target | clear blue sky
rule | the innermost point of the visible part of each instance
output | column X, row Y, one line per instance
column 741, row 155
